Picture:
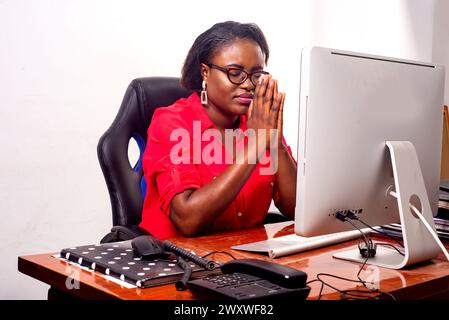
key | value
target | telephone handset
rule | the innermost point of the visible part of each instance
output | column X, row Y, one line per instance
column 246, row 279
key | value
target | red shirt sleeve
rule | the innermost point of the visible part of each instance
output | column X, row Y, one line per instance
column 171, row 173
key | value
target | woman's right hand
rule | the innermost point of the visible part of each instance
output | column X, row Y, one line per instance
column 265, row 110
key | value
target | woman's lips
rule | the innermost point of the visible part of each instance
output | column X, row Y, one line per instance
column 245, row 99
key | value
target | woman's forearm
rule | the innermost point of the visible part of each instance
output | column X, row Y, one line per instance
column 194, row 210
column 286, row 182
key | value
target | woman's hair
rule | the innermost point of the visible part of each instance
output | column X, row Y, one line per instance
column 207, row 43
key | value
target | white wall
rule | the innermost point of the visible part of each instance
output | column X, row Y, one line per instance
column 440, row 53
column 64, row 67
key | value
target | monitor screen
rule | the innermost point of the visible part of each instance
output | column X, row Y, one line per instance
column 351, row 104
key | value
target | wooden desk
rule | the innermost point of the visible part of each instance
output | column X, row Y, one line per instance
column 425, row 281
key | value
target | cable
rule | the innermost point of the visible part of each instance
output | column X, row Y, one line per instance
column 321, row 289
column 363, row 282
column 338, row 277
column 351, row 294
column 354, row 217
column 363, row 234
column 367, row 243
column 374, row 298
column 181, row 284
column 427, row 225
column 390, row 245
column 380, row 232
column 312, row 281
column 216, row 252
column 348, row 292
column 205, row 263
column 431, row 231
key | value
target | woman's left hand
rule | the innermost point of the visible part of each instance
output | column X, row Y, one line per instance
column 268, row 102
column 280, row 122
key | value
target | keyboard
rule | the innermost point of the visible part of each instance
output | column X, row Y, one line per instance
column 289, row 244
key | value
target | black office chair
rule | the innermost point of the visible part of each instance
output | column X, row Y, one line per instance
column 126, row 184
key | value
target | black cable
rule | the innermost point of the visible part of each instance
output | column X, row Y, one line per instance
column 342, row 292
column 380, row 232
column 205, row 263
column 216, row 252
column 350, row 294
column 387, row 235
column 390, row 245
column 181, row 284
column 388, row 294
column 378, row 243
column 366, row 240
column 360, row 271
column 345, row 279
column 323, row 283
column 337, row 277
column 363, row 282
column 375, row 291
column 363, row 234
column 321, row 289
column 312, row 281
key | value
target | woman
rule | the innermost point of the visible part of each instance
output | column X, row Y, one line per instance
column 193, row 187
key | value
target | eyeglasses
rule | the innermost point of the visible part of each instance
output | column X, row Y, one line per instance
column 239, row 76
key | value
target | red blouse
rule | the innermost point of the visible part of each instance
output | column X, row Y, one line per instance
column 165, row 178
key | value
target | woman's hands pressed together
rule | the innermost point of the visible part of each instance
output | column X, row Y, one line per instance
column 266, row 111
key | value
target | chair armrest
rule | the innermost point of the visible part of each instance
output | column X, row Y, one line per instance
column 273, row 217
column 122, row 233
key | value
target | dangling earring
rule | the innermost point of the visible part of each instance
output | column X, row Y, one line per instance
column 204, row 93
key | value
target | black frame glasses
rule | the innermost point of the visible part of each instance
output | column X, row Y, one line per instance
column 253, row 76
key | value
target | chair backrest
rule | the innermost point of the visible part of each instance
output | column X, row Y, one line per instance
column 125, row 183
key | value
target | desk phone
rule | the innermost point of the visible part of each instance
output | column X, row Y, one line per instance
column 248, row 279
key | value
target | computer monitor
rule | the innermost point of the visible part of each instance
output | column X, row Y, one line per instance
column 351, row 105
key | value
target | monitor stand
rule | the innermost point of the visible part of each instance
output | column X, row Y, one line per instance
column 419, row 245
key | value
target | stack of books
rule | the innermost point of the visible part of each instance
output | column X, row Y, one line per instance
column 441, row 225
column 443, row 203
column 441, row 220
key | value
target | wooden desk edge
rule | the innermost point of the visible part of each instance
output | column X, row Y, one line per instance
column 92, row 286
column 30, row 266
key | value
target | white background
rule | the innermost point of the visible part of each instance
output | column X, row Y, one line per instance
column 65, row 65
